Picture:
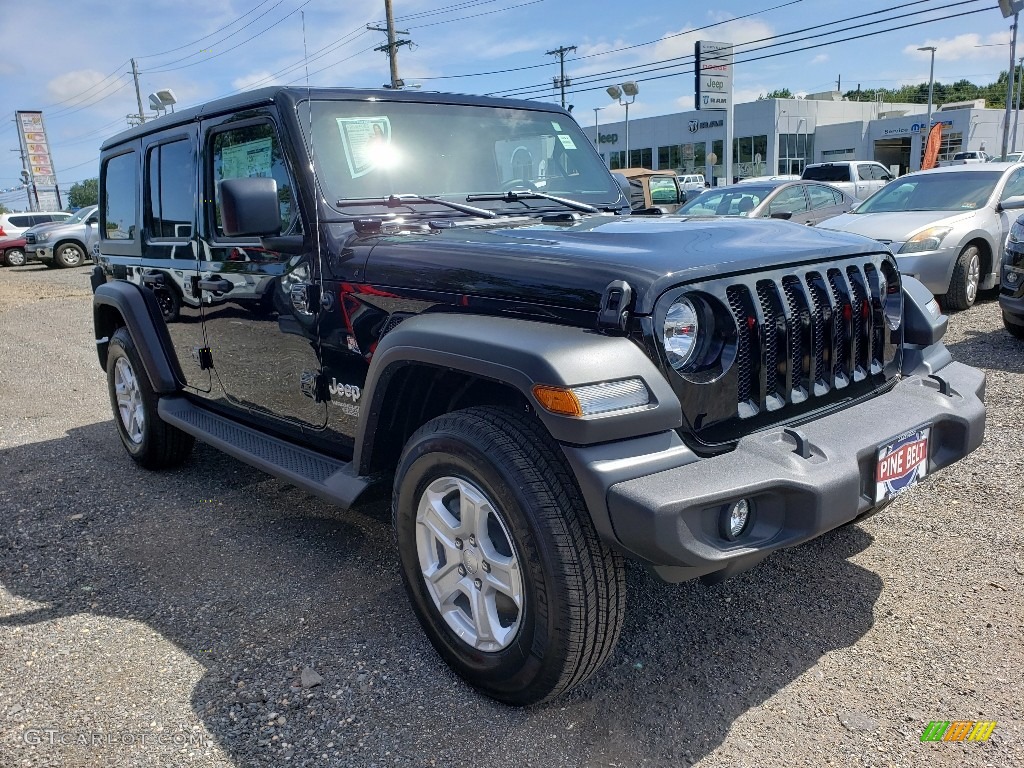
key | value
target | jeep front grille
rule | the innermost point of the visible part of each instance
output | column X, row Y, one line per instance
column 806, row 337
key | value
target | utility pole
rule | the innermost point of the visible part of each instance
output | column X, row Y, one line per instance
column 1016, row 111
column 392, row 45
column 138, row 93
column 1009, row 84
column 560, row 53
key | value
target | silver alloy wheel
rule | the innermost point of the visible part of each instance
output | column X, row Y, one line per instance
column 973, row 277
column 129, row 400
column 469, row 564
column 16, row 257
column 70, row 255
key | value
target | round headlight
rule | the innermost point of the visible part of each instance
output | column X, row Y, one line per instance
column 681, row 333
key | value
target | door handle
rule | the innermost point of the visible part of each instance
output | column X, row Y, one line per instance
column 215, row 284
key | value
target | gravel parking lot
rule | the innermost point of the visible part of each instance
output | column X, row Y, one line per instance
column 215, row 616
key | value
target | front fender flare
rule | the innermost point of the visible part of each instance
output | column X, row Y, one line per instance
column 522, row 353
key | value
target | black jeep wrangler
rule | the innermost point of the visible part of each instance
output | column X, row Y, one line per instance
column 446, row 293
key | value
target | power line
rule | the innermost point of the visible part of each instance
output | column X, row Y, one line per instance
column 200, row 39
column 239, row 45
column 647, row 67
column 475, row 15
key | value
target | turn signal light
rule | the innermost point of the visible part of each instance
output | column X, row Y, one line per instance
column 558, row 400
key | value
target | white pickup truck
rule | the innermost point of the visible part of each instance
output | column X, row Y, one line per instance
column 860, row 178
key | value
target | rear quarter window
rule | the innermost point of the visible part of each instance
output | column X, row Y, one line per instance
column 827, row 173
column 120, row 200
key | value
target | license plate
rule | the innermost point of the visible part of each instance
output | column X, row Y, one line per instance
column 902, row 462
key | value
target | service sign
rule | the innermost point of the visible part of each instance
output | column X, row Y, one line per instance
column 713, row 75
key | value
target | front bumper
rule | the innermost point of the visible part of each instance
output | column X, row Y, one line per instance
column 44, row 253
column 933, row 268
column 670, row 517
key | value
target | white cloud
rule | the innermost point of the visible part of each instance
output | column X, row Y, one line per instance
column 735, row 32
column 73, row 85
column 967, row 46
column 821, row 58
column 257, row 79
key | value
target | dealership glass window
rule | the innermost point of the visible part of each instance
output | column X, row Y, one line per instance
column 641, row 158
column 950, row 145
column 683, row 158
column 120, row 184
column 171, row 185
column 795, row 151
column 617, row 159
column 718, row 149
column 745, row 151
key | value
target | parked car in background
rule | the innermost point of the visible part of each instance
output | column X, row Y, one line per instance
column 800, row 201
column 654, row 191
column 13, row 224
column 12, row 251
column 857, row 178
column 692, row 184
column 762, row 179
column 946, row 226
column 1011, row 289
column 1011, row 157
column 65, row 244
column 965, row 158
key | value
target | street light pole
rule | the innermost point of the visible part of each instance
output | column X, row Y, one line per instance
column 931, row 82
column 1009, row 84
column 597, row 129
column 619, row 93
column 1016, row 111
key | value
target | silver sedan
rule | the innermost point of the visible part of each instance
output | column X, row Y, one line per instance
column 805, row 202
column 946, row 226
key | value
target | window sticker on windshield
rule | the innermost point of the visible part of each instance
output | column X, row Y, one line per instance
column 367, row 142
column 566, row 141
column 251, row 158
column 556, row 126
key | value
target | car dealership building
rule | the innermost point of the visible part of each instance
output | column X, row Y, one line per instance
column 781, row 136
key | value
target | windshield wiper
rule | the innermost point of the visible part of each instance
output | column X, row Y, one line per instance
column 399, row 201
column 517, row 195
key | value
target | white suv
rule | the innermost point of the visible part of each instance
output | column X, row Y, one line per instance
column 13, row 224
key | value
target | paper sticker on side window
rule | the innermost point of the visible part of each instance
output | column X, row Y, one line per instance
column 253, row 158
column 367, row 142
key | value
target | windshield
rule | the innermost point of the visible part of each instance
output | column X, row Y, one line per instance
column 365, row 149
column 728, row 201
column 933, row 192
column 82, row 214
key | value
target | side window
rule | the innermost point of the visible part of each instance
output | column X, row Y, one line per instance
column 170, row 190
column 21, row 221
column 253, row 150
column 120, row 184
column 864, row 172
column 820, row 197
column 1014, row 185
column 790, row 200
column 664, row 190
column 879, row 173
column 637, row 201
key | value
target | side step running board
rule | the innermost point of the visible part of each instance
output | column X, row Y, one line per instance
column 321, row 475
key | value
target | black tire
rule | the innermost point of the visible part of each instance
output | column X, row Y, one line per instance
column 155, row 444
column 963, row 286
column 573, row 585
column 1016, row 330
column 68, row 255
column 14, row 257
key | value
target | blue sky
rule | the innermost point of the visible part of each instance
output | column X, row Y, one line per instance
column 75, row 65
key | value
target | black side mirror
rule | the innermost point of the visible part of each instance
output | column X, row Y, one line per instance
column 787, row 215
column 249, row 207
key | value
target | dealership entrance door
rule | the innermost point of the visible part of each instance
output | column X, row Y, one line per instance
column 890, row 152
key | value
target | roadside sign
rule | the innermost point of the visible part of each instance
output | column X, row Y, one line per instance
column 713, row 75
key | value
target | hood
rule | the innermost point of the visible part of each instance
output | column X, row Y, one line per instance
column 895, row 226
column 571, row 265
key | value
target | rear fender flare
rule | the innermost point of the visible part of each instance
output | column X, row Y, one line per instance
column 140, row 313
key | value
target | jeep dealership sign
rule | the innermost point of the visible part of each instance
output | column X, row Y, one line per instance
column 713, row 75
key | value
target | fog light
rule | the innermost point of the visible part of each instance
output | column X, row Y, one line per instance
column 735, row 520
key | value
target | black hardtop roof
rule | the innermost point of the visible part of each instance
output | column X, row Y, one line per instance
column 272, row 94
